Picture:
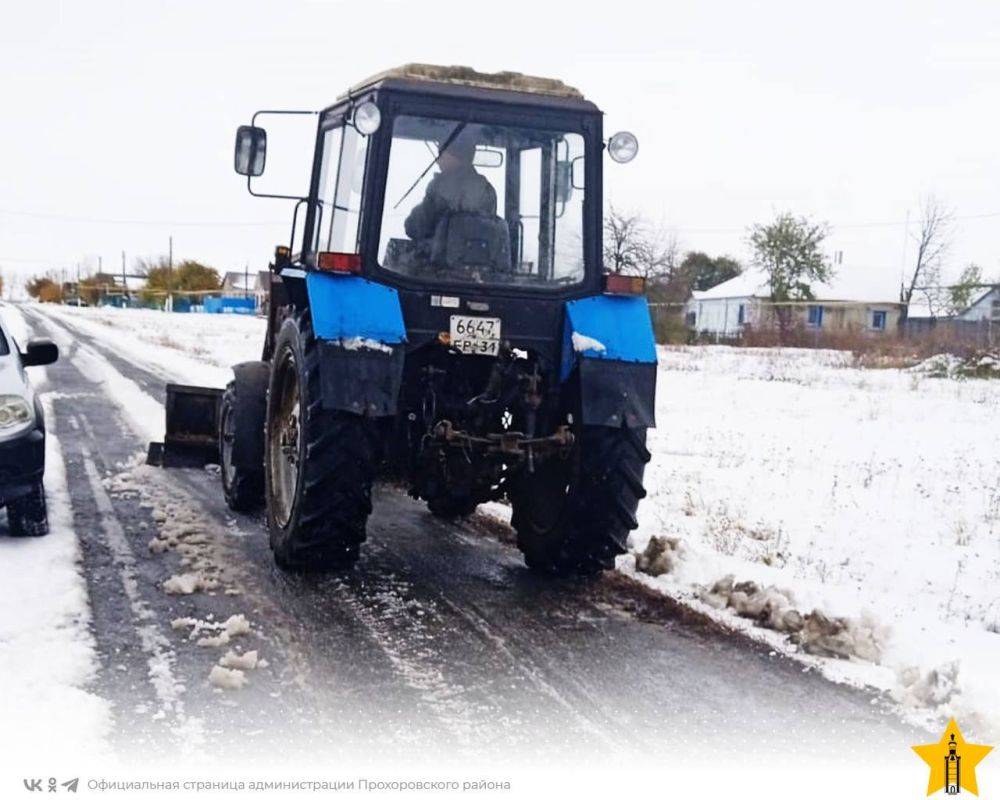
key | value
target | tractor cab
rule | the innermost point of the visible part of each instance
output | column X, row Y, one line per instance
column 441, row 311
column 445, row 176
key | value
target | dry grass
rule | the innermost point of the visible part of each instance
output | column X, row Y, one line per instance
column 887, row 350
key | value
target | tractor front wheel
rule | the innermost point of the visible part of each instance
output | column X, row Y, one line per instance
column 241, row 420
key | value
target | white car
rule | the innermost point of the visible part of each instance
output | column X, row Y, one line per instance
column 22, row 436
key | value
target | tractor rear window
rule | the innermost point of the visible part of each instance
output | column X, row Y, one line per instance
column 483, row 203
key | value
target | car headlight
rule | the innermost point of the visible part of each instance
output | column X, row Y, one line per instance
column 15, row 413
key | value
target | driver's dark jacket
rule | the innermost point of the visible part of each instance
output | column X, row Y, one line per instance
column 460, row 189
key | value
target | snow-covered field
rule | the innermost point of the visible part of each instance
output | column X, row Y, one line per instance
column 47, row 653
column 869, row 495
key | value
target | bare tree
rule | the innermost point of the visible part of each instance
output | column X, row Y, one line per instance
column 633, row 247
column 933, row 240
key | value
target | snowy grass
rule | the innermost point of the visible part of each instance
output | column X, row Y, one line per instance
column 865, row 492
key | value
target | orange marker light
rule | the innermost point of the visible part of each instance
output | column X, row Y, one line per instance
column 615, row 283
column 340, row 262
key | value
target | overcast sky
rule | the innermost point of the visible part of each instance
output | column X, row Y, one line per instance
column 118, row 117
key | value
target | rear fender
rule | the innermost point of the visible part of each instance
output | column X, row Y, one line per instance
column 362, row 341
column 609, row 341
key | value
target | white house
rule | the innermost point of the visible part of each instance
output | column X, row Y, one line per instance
column 987, row 307
column 842, row 305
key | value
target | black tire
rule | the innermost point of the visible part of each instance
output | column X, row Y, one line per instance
column 242, row 486
column 319, row 469
column 573, row 516
column 27, row 516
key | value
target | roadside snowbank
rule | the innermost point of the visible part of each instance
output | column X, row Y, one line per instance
column 201, row 347
column 47, row 653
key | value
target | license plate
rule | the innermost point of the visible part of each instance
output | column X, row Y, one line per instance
column 478, row 336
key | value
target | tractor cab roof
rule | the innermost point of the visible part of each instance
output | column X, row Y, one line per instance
column 455, row 81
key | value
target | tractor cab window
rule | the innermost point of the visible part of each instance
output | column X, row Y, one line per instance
column 483, row 203
column 341, row 180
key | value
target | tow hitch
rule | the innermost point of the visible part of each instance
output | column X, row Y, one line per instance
column 510, row 443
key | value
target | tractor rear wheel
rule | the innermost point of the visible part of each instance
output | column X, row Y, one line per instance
column 319, row 464
column 573, row 516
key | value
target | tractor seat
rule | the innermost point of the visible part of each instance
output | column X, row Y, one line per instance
column 464, row 240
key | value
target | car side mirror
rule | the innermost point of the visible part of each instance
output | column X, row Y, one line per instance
column 39, row 352
column 250, row 151
column 564, row 181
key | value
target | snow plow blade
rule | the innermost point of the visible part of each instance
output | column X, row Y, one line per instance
column 192, row 431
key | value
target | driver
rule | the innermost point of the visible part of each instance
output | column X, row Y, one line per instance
column 457, row 187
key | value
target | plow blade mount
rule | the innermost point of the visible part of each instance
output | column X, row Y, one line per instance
column 192, row 434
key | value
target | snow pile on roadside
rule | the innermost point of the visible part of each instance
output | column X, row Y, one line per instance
column 236, row 625
column 47, row 653
column 196, row 348
column 224, row 678
column 866, row 502
column 947, row 365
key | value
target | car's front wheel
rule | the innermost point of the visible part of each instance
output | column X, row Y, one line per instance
column 27, row 515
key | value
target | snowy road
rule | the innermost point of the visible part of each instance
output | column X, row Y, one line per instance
column 439, row 643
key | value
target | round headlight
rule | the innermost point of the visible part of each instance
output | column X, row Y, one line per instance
column 367, row 118
column 623, row 146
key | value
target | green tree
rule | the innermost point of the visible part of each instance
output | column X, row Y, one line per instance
column 961, row 293
column 703, row 272
column 788, row 251
column 186, row 276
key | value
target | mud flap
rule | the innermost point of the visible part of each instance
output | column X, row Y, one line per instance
column 617, row 393
column 192, row 429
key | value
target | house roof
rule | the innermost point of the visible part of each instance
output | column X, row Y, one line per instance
column 246, row 281
column 849, row 284
column 980, row 299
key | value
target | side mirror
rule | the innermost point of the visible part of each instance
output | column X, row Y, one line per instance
column 39, row 352
column 577, row 173
column 488, row 157
column 251, row 150
column 564, row 181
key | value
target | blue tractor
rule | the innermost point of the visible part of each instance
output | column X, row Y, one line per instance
column 441, row 315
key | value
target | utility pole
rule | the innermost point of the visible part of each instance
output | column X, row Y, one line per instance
column 169, row 305
column 124, row 282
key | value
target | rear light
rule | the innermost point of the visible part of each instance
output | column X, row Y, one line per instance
column 340, row 262
column 615, row 283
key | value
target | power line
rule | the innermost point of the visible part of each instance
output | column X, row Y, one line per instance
column 836, row 226
column 150, row 222
column 241, row 224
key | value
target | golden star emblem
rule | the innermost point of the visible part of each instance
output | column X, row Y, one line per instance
column 936, row 754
